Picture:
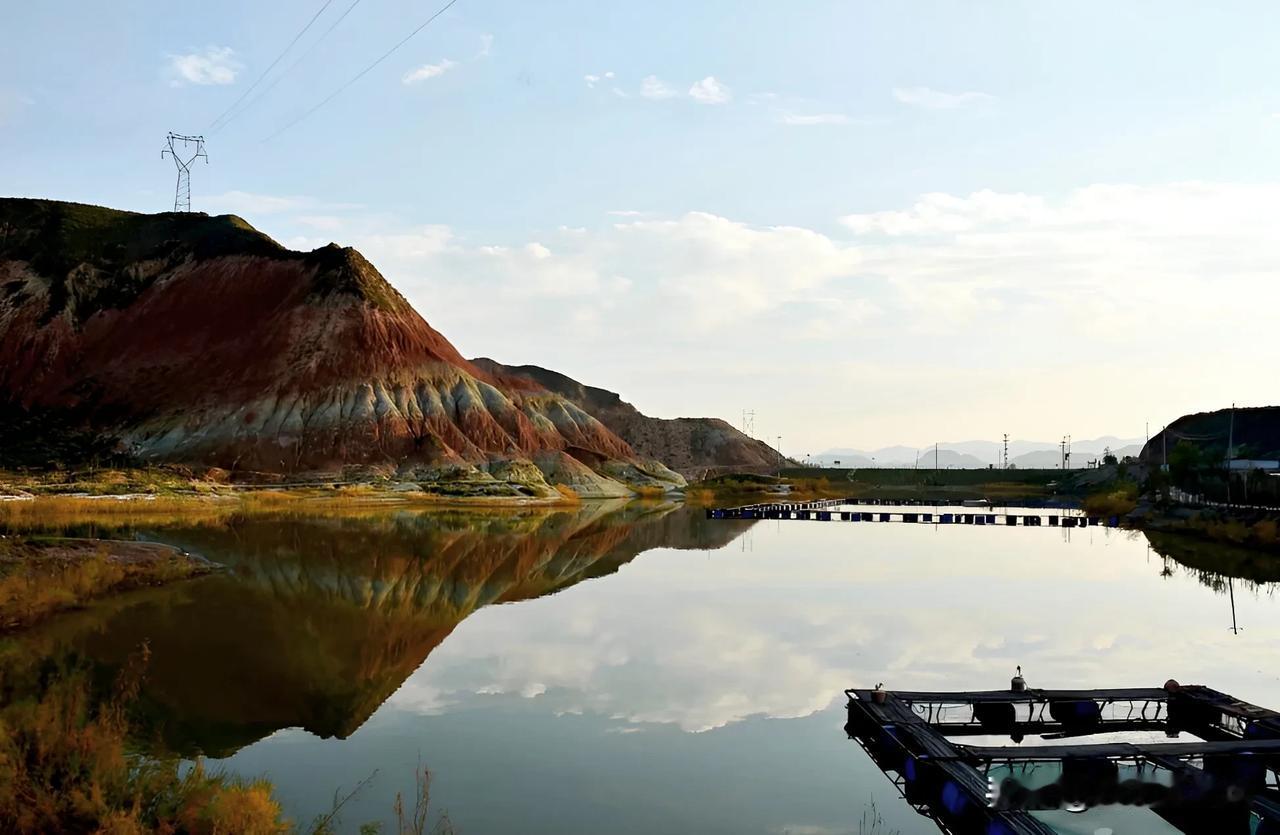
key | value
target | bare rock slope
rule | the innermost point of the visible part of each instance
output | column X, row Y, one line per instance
column 693, row 447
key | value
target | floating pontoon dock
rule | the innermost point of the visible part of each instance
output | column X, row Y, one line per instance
column 828, row 510
column 1224, row 781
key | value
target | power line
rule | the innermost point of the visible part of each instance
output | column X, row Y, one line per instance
column 363, row 72
column 214, row 124
column 249, row 104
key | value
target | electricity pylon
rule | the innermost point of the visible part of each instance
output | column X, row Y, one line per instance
column 182, row 194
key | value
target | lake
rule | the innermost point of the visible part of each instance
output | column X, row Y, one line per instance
column 637, row 668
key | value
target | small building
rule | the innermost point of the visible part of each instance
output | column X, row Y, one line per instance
column 1246, row 464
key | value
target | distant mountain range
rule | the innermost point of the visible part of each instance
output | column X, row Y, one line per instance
column 964, row 455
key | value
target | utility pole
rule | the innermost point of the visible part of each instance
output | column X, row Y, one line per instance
column 781, row 458
column 1066, row 461
column 1004, row 464
column 183, row 159
column 1231, row 436
column 935, row 456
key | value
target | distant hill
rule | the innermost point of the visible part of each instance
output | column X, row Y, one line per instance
column 980, row 454
column 694, row 447
column 1253, row 432
column 1080, row 457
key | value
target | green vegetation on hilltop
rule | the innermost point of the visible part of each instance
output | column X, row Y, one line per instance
column 55, row 236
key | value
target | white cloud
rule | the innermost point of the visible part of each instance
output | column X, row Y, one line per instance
column 592, row 80
column 428, row 71
column 1011, row 286
column 486, row 46
column 931, row 99
column 1077, row 270
column 942, row 213
column 652, row 87
column 710, row 91
column 212, row 65
column 322, row 223
column 789, row 118
column 250, row 204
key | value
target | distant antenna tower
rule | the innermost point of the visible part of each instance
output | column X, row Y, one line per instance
column 749, row 423
column 1006, row 452
column 183, row 159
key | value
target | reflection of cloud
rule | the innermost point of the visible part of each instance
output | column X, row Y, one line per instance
column 782, row 630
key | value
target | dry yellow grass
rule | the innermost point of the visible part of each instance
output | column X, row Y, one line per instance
column 40, row 577
column 65, row 759
column 568, row 494
column 58, row 509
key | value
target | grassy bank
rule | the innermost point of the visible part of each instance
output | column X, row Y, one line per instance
column 162, row 491
column 1250, row 530
column 41, row 576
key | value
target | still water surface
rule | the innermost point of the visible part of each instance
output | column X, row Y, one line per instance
column 639, row 669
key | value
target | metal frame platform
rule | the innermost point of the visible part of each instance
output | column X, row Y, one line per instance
column 1228, row 775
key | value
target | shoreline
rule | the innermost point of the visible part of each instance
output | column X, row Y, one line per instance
column 41, row 577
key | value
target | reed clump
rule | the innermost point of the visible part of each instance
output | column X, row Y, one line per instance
column 66, row 766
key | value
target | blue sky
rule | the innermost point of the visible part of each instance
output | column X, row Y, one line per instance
column 872, row 223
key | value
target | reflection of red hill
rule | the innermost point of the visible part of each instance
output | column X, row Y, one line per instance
column 318, row 620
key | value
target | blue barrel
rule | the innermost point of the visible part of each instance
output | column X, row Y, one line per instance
column 1075, row 713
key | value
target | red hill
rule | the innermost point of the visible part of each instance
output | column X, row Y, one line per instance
column 191, row 339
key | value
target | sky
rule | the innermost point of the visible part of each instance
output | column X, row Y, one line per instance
column 869, row 223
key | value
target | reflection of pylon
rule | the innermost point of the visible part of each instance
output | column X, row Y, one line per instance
column 749, row 423
column 182, row 194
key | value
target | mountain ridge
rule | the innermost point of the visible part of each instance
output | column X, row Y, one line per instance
column 693, row 447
